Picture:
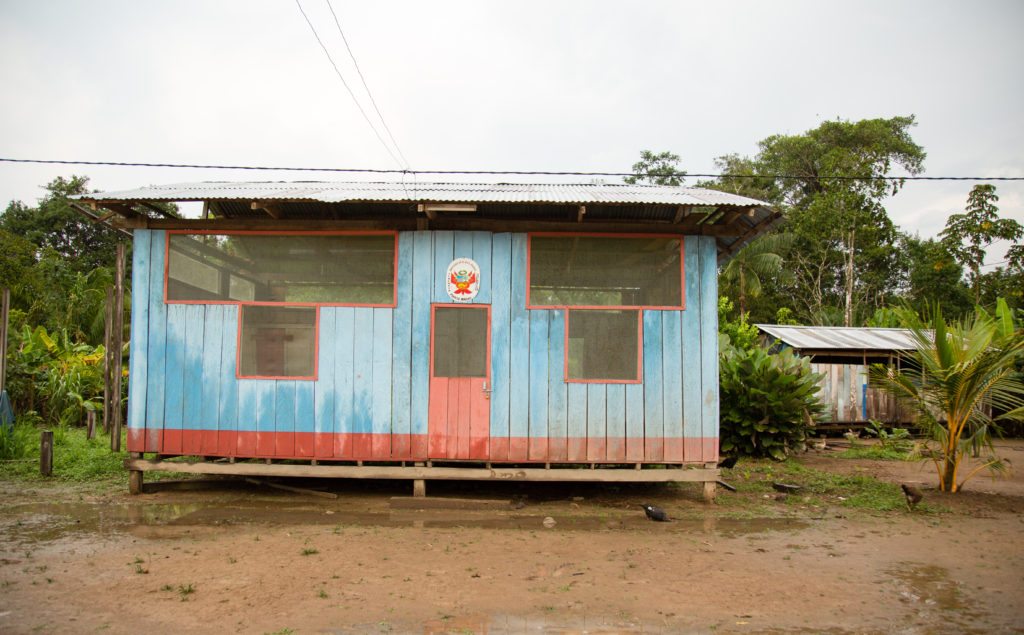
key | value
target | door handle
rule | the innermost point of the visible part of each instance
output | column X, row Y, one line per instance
column 487, row 391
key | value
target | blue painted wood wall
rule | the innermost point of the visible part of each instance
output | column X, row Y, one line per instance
column 370, row 399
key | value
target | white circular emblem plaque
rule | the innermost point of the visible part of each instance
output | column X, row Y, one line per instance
column 462, row 280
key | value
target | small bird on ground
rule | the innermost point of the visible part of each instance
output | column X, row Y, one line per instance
column 728, row 462
column 914, row 495
column 655, row 513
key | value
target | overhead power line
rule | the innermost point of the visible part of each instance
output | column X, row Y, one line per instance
column 337, row 71
column 363, row 79
column 268, row 168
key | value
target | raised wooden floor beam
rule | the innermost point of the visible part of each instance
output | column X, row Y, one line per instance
column 610, row 475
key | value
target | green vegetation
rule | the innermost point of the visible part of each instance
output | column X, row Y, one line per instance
column 818, row 488
column 893, row 445
column 961, row 380
column 768, row 401
column 75, row 459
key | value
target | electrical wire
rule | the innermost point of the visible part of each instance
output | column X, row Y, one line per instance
column 345, row 84
column 198, row 166
column 363, row 79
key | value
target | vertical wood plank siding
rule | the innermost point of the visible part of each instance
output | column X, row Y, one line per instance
column 370, row 399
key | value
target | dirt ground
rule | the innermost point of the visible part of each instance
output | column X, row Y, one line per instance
column 237, row 557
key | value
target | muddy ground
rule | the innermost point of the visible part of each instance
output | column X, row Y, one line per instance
column 237, row 557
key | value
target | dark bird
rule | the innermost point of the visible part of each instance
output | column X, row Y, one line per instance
column 728, row 462
column 914, row 495
column 655, row 513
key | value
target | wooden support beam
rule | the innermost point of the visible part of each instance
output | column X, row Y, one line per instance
column 609, row 475
column 5, row 311
column 429, row 211
column 158, row 209
column 272, row 209
column 681, row 212
column 748, row 234
column 108, row 364
column 118, row 343
column 96, row 218
column 580, row 213
column 121, row 208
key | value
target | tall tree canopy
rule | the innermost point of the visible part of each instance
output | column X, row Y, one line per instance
column 660, row 169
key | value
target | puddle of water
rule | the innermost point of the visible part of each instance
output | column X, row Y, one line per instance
column 934, row 596
column 44, row 522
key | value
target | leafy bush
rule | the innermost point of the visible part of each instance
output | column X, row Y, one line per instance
column 768, row 401
column 57, row 377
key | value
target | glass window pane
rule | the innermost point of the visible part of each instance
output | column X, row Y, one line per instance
column 604, row 345
column 277, row 342
column 460, row 342
column 605, row 271
column 322, row 268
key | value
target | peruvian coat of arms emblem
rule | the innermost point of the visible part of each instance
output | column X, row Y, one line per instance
column 462, row 280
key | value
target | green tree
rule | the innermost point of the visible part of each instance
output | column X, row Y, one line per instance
column 959, row 375
column 762, row 258
column 967, row 235
column 846, row 242
column 659, row 169
column 53, row 224
column 934, row 277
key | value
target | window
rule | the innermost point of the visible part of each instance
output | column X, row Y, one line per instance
column 460, row 342
column 356, row 269
column 568, row 270
column 603, row 346
column 277, row 342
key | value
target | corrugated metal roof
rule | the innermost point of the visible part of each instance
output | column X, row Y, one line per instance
column 838, row 338
column 413, row 191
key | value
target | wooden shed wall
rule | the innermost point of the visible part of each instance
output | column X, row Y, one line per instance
column 848, row 399
column 370, row 399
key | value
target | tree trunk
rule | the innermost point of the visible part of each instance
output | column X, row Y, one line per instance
column 743, row 293
column 948, row 482
column 848, row 313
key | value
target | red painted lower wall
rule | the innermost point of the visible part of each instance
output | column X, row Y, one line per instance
column 408, row 447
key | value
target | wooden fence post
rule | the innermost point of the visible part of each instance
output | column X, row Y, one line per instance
column 108, row 331
column 5, row 309
column 90, row 424
column 46, row 452
column 118, row 337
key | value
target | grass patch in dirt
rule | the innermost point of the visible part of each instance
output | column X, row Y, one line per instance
column 75, row 458
column 754, row 478
column 876, row 453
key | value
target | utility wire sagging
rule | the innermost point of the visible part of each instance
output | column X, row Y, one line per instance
column 337, row 71
column 365, row 86
column 128, row 164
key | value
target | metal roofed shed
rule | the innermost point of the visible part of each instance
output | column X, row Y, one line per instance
column 733, row 220
column 842, row 355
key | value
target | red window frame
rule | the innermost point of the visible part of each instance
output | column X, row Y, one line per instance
column 644, row 307
column 316, row 342
column 451, row 305
column 214, row 232
column 639, row 349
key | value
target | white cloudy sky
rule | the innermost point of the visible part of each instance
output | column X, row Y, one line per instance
column 554, row 85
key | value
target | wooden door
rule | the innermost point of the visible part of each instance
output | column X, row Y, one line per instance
column 459, row 419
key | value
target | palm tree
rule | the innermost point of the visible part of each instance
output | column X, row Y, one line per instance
column 762, row 258
column 960, row 374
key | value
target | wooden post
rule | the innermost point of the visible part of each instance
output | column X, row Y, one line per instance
column 90, row 424
column 108, row 330
column 710, row 488
column 135, row 476
column 5, row 308
column 46, row 452
column 118, row 341
column 419, row 486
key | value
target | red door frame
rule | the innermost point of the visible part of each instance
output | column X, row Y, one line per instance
column 463, row 432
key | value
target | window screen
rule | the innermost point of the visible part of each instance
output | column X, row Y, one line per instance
column 332, row 269
column 460, row 342
column 605, row 271
column 604, row 345
column 277, row 341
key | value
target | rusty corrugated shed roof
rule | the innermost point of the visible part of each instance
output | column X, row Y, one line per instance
column 420, row 191
column 838, row 338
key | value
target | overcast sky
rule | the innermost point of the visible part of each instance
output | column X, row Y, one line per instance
column 580, row 86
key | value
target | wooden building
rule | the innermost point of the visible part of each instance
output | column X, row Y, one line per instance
column 428, row 330
column 842, row 356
